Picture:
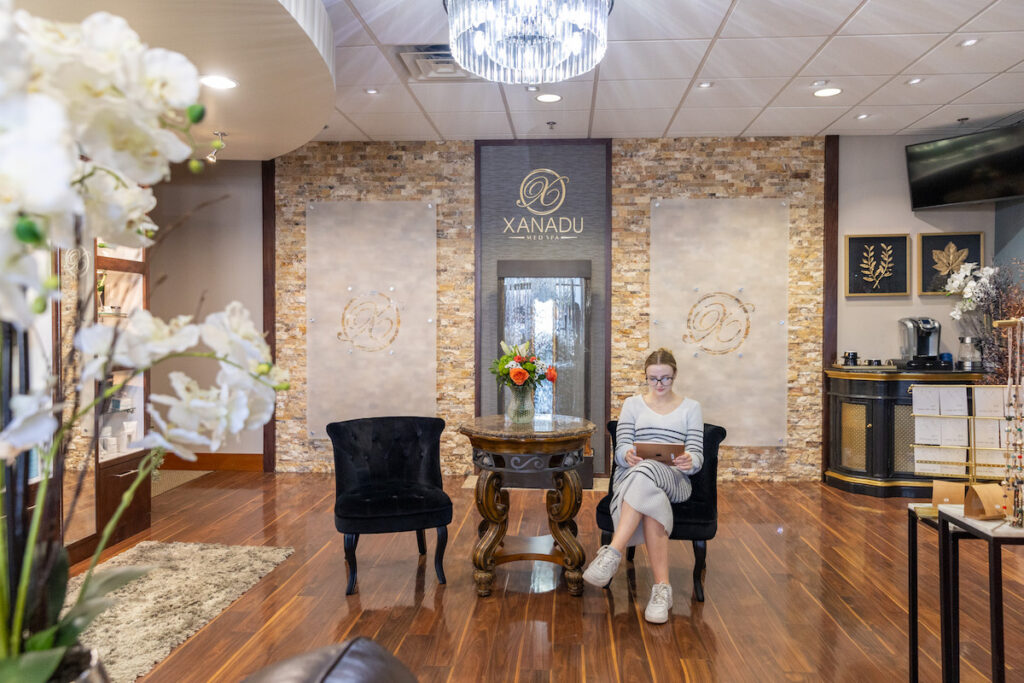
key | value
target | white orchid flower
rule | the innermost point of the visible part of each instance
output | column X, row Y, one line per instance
column 116, row 211
column 170, row 79
column 138, row 149
column 173, row 440
column 33, row 424
column 232, row 335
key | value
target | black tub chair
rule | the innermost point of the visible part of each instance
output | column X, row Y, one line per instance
column 388, row 476
column 695, row 519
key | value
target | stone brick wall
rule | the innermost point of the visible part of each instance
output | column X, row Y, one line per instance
column 784, row 168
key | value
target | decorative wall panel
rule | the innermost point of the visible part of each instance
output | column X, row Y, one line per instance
column 371, row 274
column 719, row 274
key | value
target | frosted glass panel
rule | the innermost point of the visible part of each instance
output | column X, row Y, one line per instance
column 550, row 314
column 371, row 288
column 719, row 272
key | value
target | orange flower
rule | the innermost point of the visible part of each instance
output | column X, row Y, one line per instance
column 519, row 359
column 551, row 374
column 518, row 375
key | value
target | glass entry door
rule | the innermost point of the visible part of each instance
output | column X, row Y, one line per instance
column 551, row 313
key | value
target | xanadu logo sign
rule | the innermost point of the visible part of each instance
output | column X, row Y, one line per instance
column 542, row 193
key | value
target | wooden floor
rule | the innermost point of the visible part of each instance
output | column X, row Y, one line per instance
column 805, row 583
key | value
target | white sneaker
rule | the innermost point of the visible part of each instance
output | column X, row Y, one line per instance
column 602, row 569
column 660, row 603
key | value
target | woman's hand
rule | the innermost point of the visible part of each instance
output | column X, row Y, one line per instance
column 684, row 461
column 631, row 457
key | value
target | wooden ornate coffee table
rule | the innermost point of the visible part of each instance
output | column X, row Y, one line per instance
column 552, row 444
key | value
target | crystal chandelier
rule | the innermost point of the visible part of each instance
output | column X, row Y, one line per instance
column 528, row 41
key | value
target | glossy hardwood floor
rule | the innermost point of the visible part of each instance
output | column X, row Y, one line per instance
column 805, row 583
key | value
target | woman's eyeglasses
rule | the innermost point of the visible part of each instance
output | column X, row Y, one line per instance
column 663, row 381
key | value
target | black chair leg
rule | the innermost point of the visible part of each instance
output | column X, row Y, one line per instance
column 442, row 542
column 700, row 555
column 630, row 552
column 421, row 543
column 351, row 541
column 606, row 537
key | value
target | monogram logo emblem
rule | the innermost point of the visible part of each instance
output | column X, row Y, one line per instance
column 718, row 323
column 542, row 191
column 370, row 322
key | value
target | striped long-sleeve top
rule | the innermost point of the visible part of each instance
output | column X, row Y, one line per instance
column 638, row 422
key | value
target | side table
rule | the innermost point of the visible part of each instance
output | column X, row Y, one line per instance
column 552, row 444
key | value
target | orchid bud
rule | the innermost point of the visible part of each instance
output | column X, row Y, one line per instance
column 263, row 368
column 39, row 304
column 195, row 113
column 27, row 231
column 52, row 282
column 195, row 165
column 283, row 386
column 217, row 144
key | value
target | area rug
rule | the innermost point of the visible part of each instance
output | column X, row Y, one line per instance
column 191, row 584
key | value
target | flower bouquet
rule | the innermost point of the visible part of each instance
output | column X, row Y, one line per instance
column 986, row 294
column 90, row 119
column 521, row 373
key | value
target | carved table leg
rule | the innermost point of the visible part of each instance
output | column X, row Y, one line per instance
column 492, row 503
column 563, row 504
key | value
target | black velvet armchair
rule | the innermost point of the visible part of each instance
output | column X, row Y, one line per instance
column 695, row 519
column 388, row 476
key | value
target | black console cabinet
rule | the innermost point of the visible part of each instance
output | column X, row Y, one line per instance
column 871, row 430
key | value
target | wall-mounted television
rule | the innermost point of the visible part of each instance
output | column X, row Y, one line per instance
column 978, row 167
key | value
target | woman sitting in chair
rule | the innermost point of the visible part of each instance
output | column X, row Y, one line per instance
column 645, row 488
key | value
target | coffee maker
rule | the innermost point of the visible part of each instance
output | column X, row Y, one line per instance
column 919, row 344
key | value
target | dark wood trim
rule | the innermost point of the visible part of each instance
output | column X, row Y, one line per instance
column 608, row 318
column 478, row 304
column 269, row 297
column 830, row 305
column 121, row 265
column 233, row 462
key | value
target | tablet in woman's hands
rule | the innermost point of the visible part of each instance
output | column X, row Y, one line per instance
column 662, row 452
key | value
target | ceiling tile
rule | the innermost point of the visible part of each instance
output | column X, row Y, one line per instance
column 390, row 98
column 460, row 97
column 758, row 57
column 879, row 17
column 978, row 115
column 652, row 59
column 874, row 55
column 473, row 125
column 400, row 22
column 1013, row 119
column 395, row 126
column 1005, row 15
column 567, row 124
column 794, row 120
column 887, row 119
column 994, row 52
column 665, row 19
column 362, row 66
column 655, row 94
column 348, row 32
column 933, row 89
column 576, row 95
column 735, row 92
column 800, row 93
column 643, row 123
column 787, row 17
column 1004, row 88
column 708, row 121
column 340, row 128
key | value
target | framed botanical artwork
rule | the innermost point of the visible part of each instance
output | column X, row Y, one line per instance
column 877, row 265
column 942, row 254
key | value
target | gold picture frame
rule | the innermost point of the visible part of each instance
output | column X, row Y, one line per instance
column 956, row 248
column 877, row 265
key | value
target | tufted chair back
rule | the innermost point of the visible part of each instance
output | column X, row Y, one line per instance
column 374, row 450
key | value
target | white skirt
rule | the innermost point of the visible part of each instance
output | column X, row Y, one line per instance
column 650, row 488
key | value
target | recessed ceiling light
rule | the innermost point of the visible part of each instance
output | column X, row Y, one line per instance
column 548, row 98
column 827, row 92
column 914, row 81
column 969, row 42
column 861, row 117
column 372, row 91
column 818, row 84
column 532, row 88
column 704, row 84
column 218, row 82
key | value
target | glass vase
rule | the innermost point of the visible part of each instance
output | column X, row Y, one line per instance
column 519, row 407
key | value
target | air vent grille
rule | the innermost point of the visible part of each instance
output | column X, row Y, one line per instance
column 428, row 63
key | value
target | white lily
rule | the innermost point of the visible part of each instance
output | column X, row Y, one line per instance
column 33, row 424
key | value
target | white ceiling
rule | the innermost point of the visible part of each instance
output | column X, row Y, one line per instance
column 760, row 55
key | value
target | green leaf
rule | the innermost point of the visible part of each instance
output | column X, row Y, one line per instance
column 195, row 113
column 43, row 640
column 112, row 579
column 57, row 587
column 27, row 231
column 31, row 667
